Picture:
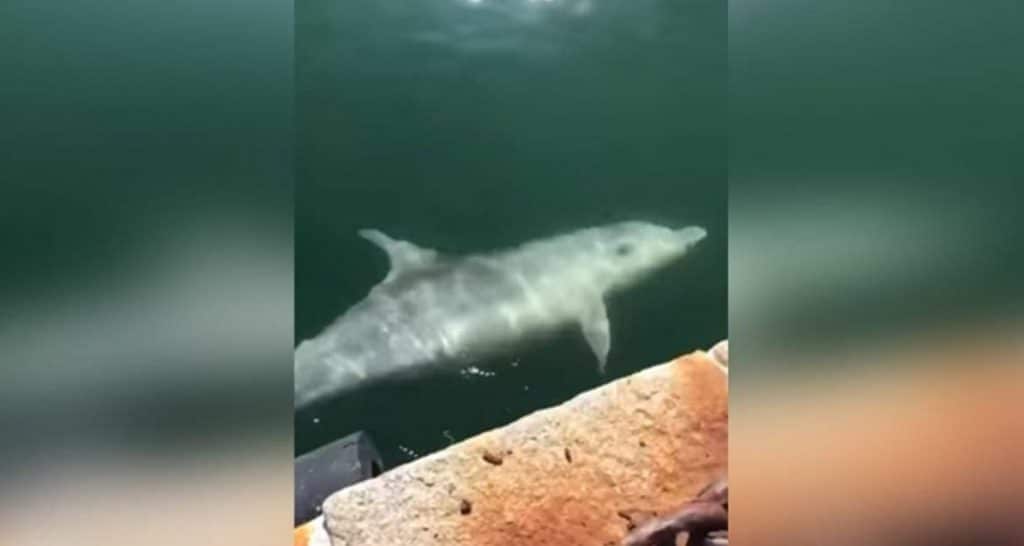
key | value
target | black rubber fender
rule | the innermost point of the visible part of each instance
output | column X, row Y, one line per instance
column 330, row 468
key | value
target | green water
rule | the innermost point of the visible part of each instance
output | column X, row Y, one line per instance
column 473, row 126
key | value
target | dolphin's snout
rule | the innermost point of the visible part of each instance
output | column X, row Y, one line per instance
column 692, row 234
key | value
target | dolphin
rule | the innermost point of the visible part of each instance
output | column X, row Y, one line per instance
column 434, row 310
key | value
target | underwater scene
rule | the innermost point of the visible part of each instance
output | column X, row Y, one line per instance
column 500, row 204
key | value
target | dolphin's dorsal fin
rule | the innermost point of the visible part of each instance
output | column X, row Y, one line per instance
column 404, row 255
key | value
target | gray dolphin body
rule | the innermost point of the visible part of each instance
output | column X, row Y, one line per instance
column 433, row 310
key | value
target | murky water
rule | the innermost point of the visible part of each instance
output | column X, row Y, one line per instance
column 469, row 126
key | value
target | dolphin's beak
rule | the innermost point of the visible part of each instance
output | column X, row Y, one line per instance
column 691, row 235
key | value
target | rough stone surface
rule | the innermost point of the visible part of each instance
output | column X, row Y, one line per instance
column 720, row 353
column 645, row 442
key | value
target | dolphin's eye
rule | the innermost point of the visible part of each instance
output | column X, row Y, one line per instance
column 625, row 249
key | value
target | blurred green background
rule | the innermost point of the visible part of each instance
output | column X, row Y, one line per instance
column 146, row 278
column 875, row 172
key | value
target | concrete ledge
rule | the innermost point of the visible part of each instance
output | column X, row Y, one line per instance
column 563, row 476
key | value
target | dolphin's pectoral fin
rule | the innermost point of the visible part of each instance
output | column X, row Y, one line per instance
column 402, row 254
column 597, row 332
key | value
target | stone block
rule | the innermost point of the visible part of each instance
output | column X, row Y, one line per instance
column 563, row 476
